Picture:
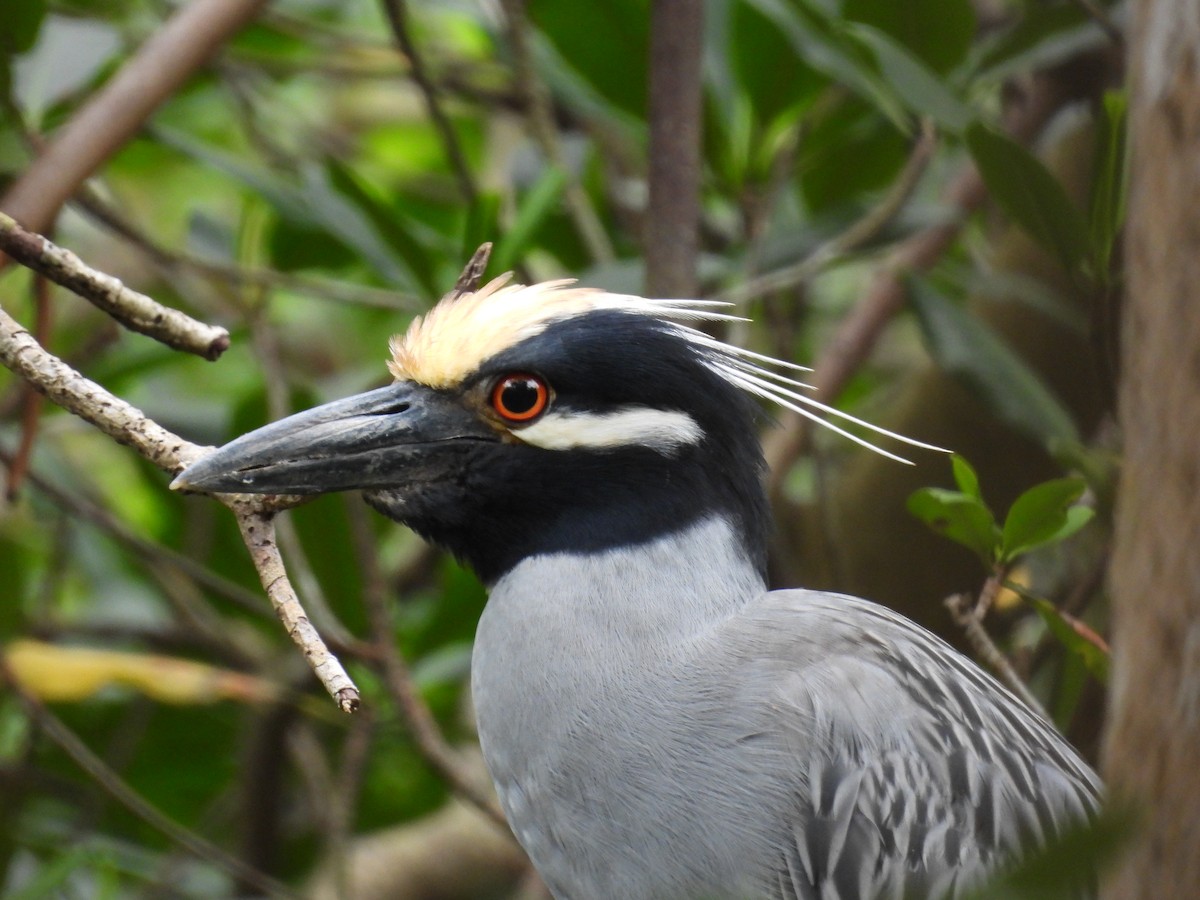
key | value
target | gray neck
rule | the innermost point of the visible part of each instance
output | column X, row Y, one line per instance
column 570, row 656
column 645, row 595
column 559, row 629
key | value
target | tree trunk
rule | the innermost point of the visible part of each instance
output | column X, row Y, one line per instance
column 672, row 229
column 1152, row 749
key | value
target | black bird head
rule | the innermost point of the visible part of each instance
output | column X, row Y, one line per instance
column 536, row 419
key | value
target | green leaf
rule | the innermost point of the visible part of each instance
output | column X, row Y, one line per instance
column 22, row 24
column 917, row 86
column 960, row 517
column 1093, row 657
column 1046, row 34
column 965, row 477
column 937, row 32
column 766, row 65
column 847, row 154
column 1066, row 865
column 966, row 347
column 606, row 43
column 1106, row 211
column 389, row 225
column 1044, row 515
column 536, row 206
column 1030, row 195
column 823, row 42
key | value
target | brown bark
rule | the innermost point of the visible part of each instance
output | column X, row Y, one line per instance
column 1150, row 754
column 106, row 122
column 673, row 216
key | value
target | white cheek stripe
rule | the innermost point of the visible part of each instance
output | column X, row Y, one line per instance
column 662, row 430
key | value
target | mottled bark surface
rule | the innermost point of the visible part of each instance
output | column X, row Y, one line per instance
column 1152, row 749
column 673, row 215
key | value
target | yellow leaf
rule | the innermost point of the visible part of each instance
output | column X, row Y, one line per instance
column 58, row 673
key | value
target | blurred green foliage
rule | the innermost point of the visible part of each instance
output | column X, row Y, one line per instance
column 296, row 191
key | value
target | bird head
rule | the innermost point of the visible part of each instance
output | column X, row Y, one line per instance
column 536, row 419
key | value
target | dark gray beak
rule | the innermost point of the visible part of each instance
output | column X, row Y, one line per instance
column 361, row 442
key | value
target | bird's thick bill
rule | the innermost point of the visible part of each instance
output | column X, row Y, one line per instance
column 365, row 441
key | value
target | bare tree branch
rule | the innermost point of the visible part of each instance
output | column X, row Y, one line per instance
column 858, row 233
column 152, row 75
column 673, row 216
column 967, row 616
column 258, row 533
column 133, row 310
column 858, row 333
column 130, row 426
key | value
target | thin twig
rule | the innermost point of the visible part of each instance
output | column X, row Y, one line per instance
column 856, row 235
column 113, row 785
column 1076, row 624
column 857, row 334
column 424, row 729
column 267, row 350
column 963, row 609
column 258, row 533
column 133, row 310
column 195, row 32
column 130, row 426
column 540, row 113
column 397, row 14
column 472, row 273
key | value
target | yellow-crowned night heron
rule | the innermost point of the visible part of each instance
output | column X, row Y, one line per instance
column 658, row 724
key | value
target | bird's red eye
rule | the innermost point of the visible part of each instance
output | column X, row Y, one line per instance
column 520, row 397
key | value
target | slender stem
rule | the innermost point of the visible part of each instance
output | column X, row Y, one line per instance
column 856, row 235
column 397, row 14
column 258, row 532
column 135, row 311
column 968, row 614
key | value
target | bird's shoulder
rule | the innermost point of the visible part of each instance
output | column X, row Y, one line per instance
column 913, row 771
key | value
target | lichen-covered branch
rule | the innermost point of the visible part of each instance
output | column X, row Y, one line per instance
column 123, row 422
column 126, row 424
column 258, row 532
column 135, row 311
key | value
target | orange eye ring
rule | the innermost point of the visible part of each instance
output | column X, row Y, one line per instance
column 520, row 397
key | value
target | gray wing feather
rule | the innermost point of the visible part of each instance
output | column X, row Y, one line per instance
column 920, row 773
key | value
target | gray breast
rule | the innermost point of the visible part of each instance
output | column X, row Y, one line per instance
column 791, row 746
